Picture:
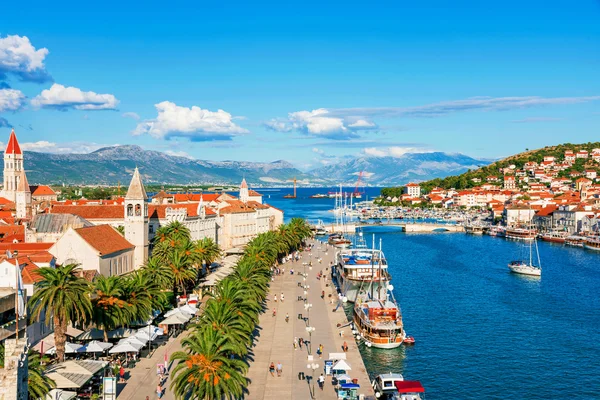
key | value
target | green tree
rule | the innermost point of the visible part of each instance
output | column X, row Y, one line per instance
column 206, row 370
column 110, row 310
column 65, row 298
column 38, row 384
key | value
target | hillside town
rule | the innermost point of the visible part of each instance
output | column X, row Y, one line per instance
column 537, row 195
column 105, row 238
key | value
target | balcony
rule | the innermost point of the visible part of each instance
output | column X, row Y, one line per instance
column 8, row 329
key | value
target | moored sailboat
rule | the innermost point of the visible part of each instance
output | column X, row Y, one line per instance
column 524, row 267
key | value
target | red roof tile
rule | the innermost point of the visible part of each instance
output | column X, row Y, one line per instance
column 13, row 145
column 104, row 238
column 41, row 190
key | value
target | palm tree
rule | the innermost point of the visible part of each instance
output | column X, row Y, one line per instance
column 38, row 384
column 206, row 370
column 110, row 310
column 142, row 294
column 64, row 297
column 159, row 271
column 229, row 322
column 181, row 269
column 206, row 251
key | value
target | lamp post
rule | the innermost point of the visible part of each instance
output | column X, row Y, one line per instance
column 313, row 367
column 310, row 330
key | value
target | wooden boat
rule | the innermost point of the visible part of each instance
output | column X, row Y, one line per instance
column 520, row 234
column 554, row 237
column 592, row 243
column 575, row 240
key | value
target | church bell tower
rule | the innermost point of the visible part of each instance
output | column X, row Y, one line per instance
column 136, row 218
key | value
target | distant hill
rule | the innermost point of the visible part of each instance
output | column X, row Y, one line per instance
column 111, row 165
column 410, row 167
column 465, row 180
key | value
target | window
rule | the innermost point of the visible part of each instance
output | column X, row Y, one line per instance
column 138, row 210
column 129, row 210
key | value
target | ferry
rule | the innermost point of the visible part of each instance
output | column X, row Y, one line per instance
column 520, row 234
column 358, row 268
column 554, row 236
column 393, row 387
column 575, row 240
column 592, row 243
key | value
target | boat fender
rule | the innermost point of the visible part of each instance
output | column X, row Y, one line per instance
column 377, row 394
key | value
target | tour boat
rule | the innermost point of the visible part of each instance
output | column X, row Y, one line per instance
column 575, row 240
column 357, row 268
column 592, row 243
column 338, row 240
column 520, row 234
column 393, row 387
column 555, row 236
column 379, row 322
column 524, row 267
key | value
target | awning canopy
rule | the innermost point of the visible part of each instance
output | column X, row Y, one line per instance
column 69, row 348
column 74, row 374
column 409, row 387
column 341, row 365
column 349, row 385
column 124, row 348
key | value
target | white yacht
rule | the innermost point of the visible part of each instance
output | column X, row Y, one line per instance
column 393, row 387
column 525, row 267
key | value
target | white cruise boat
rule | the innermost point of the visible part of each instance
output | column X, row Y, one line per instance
column 358, row 268
column 524, row 267
column 592, row 243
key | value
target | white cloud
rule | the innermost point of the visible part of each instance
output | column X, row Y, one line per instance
column 320, row 123
column 536, row 119
column 193, row 123
column 318, row 151
column 19, row 57
column 392, row 151
column 179, row 154
column 43, row 146
column 64, row 98
column 483, row 103
column 132, row 115
column 11, row 99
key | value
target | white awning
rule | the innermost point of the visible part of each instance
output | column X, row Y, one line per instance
column 124, row 348
column 95, row 347
column 341, row 365
column 175, row 319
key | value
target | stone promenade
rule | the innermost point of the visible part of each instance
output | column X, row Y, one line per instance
column 275, row 343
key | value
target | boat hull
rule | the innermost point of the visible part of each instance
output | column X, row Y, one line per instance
column 588, row 247
column 553, row 239
column 516, row 269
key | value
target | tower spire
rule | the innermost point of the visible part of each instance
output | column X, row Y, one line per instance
column 136, row 187
column 13, row 144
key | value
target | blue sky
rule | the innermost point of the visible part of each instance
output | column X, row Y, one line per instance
column 307, row 82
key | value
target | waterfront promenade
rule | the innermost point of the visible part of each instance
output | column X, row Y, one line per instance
column 274, row 342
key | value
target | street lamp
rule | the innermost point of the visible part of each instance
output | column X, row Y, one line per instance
column 310, row 330
column 313, row 367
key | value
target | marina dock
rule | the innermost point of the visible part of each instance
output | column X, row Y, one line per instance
column 275, row 336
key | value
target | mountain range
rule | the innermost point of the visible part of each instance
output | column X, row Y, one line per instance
column 110, row 165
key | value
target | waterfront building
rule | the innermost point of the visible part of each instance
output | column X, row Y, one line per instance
column 412, row 189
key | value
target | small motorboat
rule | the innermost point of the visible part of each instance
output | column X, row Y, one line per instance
column 409, row 340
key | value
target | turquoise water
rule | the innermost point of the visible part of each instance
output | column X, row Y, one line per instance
column 481, row 332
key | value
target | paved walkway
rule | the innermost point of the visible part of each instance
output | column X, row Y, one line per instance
column 275, row 343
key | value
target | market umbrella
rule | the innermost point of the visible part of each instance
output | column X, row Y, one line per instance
column 95, row 347
column 69, row 348
column 175, row 319
column 176, row 311
column 135, row 341
column 145, row 336
column 189, row 309
column 124, row 348
column 153, row 329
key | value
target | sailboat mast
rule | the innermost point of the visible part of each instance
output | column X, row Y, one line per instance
column 372, row 266
column 379, row 263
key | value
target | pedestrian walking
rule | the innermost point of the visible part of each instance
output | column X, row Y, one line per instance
column 287, row 317
column 275, row 298
column 319, row 352
column 159, row 391
column 282, row 297
column 295, row 343
column 345, row 347
column 272, row 369
column 321, row 381
column 300, row 343
column 279, row 369
column 122, row 374
column 274, row 312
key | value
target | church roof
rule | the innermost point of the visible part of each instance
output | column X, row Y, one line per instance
column 136, row 189
column 92, row 211
column 23, row 185
column 57, row 223
column 41, row 190
column 13, row 145
column 244, row 184
column 104, row 238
